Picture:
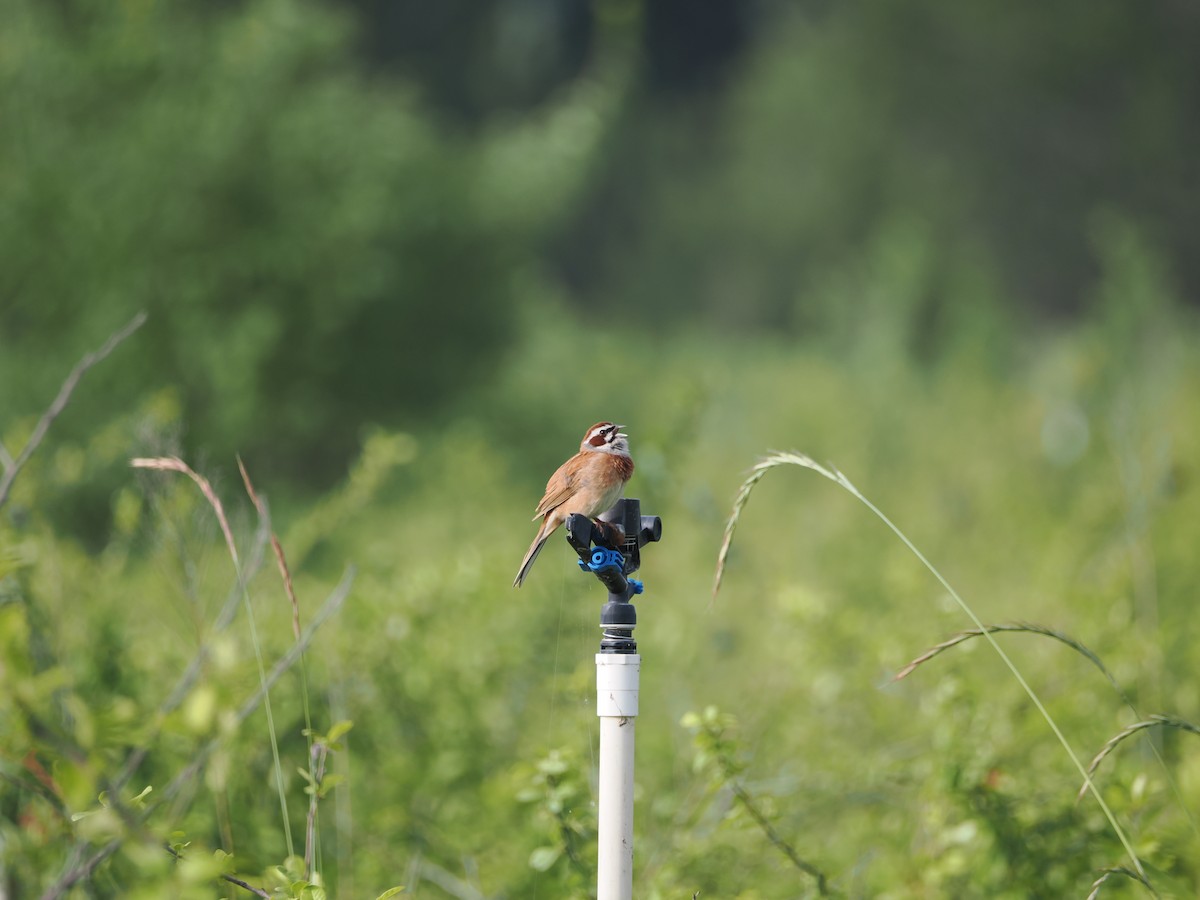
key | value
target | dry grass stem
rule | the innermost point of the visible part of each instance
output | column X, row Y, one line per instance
column 175, row 464
column 13, row 466
column 280, row 559
column 1115, row 740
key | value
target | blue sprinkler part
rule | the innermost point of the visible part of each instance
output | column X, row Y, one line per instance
column 603, row 559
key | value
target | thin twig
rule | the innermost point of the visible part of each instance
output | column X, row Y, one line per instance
column 230, row 878
column 13, row 466
column 259, row 891
column 712, row 731
column 775, row 838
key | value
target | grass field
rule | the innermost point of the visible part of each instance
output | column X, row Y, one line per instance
column 1051, row 480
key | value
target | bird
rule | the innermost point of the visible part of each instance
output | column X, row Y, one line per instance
column 590, row 482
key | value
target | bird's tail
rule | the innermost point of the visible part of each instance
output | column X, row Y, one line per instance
column 530, row 555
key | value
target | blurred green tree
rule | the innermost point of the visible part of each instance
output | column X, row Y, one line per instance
column 313, row 252
column 996, row 133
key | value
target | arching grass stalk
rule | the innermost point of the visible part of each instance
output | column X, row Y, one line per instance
column 1080, row 648
column 1030, row 627
column 1153, row 722
column 799, row 459
column 174, row 464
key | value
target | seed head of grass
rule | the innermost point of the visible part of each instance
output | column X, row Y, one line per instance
column 743, row 496
column 967, row 634
column 1129, row 731
column 1123, row 872
column 175, row 464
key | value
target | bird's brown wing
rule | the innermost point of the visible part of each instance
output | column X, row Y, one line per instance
column 559, row 489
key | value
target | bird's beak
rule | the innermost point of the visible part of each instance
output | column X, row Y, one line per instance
column 621, row 433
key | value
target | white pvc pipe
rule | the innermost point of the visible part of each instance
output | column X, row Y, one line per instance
column 617, row 676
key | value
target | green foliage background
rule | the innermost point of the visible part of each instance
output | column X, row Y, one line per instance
column 404, row 324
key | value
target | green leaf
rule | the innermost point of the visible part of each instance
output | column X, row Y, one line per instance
column 391, row 892
column 543, row 858
column 140, row 800
column 553, row 764
column 330, row 782
column 224, row 860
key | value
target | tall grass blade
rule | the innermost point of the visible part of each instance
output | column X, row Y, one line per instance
column 285, row 573
column 12, row 466
column 799, row 459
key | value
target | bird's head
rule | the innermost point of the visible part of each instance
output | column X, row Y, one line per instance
column 605, row 437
